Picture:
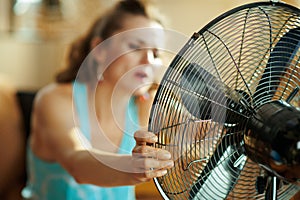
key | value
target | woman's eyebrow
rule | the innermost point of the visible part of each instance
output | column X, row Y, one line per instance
column 140, row 41
column 146, row 44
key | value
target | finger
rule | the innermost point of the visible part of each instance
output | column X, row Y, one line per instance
column 155, row 173
column 151, row 152
column 144, row 151
column 163, row 155
column 145, row 164
column 144, row 137
column 149, row 175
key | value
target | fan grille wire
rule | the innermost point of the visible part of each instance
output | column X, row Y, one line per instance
column 235, row 49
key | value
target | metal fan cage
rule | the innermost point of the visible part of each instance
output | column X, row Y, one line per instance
column 231, row 54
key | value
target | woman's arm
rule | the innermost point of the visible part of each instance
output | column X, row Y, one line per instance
column 108, row 169
column 55, row 138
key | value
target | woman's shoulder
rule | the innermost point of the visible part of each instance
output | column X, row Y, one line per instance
column 54, row 95
column 55, row 91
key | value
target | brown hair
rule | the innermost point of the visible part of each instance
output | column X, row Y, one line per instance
column 103, row 27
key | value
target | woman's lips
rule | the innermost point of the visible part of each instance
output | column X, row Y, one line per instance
column 141, row 75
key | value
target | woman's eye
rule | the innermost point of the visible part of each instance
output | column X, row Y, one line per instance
column 134, row 46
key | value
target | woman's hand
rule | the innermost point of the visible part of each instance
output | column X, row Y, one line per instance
column 149, row 162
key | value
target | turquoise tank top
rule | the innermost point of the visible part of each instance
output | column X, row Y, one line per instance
column 49, row 181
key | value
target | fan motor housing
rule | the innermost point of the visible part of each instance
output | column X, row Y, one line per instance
column 272, row 139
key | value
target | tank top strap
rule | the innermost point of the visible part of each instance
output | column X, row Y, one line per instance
column 131, row 125
column 80, row 105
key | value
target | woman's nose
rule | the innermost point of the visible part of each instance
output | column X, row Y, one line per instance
column 148, row 57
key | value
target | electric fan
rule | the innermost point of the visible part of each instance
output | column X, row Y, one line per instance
column 227, row 108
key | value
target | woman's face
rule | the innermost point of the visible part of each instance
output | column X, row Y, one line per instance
column 131, row 56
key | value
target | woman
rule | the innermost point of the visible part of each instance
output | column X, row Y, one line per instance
column 84, row 152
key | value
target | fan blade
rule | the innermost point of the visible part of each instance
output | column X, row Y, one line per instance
column 221, row 172
column 205, row 97
column 279, row 61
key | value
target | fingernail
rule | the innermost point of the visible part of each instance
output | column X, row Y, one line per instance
column 154, row 138
column 169, row 164
column 164, row 172
column 166, row 156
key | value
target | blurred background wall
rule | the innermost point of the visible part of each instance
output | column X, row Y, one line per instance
column 35, row 34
